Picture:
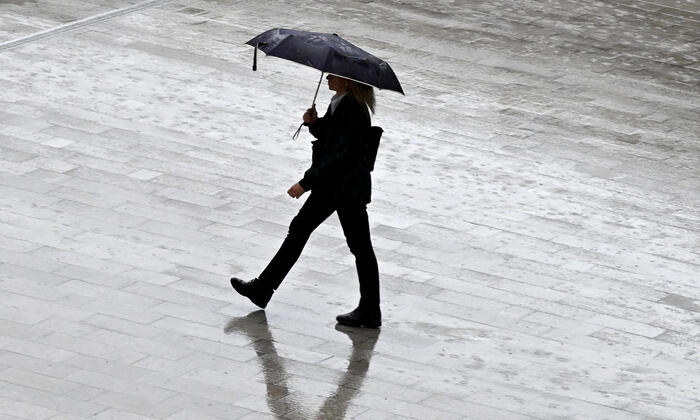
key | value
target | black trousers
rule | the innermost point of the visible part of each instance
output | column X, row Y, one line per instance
column 355, row 224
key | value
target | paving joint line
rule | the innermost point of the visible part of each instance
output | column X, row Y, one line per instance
column 71, row 26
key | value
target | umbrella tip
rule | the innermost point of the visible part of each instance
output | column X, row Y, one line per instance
column 255, row 57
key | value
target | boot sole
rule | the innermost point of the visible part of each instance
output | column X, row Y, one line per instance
column 360, row 324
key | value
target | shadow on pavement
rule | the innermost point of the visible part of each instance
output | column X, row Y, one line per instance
column 256, row 328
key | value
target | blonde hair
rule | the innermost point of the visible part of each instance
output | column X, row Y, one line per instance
column 362, row 93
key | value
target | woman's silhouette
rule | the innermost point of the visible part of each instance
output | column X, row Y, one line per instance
column 339, row 180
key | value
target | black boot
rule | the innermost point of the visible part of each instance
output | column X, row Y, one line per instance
column 255, row 290
column 361, row 317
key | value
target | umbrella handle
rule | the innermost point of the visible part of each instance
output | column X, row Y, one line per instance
column 296, row 133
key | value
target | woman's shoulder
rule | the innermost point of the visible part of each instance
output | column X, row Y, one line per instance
column 352, row 105
column 350, row 100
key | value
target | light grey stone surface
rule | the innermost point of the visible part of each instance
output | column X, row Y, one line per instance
column 535, row 213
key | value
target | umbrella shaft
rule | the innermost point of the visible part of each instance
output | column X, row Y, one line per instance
column 317, row 87
column 296, row 133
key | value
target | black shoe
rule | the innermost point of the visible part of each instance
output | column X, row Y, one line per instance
column 254, row 290
column 361, row 318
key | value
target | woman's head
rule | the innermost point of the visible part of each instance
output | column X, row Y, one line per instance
column 337, row 83
column 362, row 93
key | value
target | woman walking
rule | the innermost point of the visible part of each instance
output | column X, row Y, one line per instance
column 339, row 180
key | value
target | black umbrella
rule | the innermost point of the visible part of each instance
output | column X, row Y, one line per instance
column 328, row 53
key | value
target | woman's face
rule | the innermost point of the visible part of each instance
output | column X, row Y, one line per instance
column 338, row 84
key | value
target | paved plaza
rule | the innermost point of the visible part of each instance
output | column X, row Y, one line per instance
column 535, row 214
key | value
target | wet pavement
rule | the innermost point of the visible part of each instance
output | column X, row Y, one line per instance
column 536, row 213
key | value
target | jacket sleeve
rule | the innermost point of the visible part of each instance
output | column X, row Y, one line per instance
column 342, row 133
column 319, row 127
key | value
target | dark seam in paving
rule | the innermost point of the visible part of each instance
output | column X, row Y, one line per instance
column 79, row 24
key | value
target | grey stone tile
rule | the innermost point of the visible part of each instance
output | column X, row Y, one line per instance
column 202, row 406
column 159, row 279
column 186, row 327
column 67, row 345
column 110, row 368
column 126, row 413
column 470, row 410
column 55, row 324
column 127, row 341
column 58, row 401
column 73, row 272
column 105, row 293
column 192, row 388
column 23, row 410
column 187, row 414
column 55, row 258
column 136, row 406
column 38, row 366
column 34, row 349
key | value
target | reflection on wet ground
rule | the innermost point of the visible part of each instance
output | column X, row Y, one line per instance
column 256, row 328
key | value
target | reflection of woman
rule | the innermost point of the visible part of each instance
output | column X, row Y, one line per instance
column 335, row 406
column 339, row 180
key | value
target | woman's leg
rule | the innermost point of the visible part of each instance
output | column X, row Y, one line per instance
column 315, row 210
column 355, row 223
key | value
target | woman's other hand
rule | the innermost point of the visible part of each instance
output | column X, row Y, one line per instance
column 310, row 115
column 296, row 191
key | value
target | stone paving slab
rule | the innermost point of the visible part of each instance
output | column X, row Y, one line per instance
column 535, row 213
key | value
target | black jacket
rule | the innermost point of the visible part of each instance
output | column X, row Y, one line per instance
column 339, row 165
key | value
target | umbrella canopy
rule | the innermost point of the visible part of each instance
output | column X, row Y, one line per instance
column 328, row 53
